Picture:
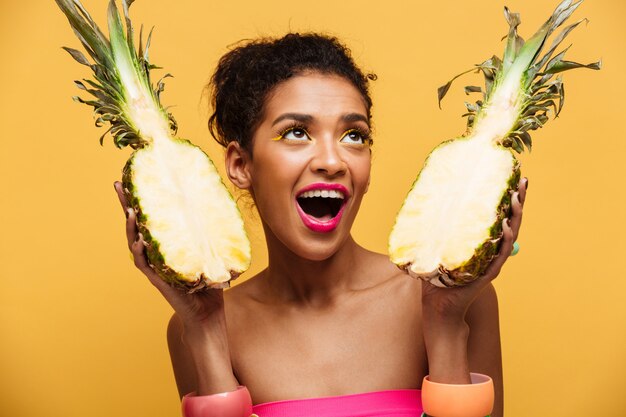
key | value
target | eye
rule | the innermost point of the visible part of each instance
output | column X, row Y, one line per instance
column 356, row 136
column 295, row 133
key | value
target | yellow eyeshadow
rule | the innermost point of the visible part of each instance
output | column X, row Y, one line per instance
column 367, row 141
column 279, row 137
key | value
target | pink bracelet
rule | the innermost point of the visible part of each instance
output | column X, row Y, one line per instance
column 458, row 400
column 236, row 403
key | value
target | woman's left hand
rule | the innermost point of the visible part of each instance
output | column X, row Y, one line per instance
column 446, row 332
column 451, row 304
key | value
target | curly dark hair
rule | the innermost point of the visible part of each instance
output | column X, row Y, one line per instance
column 247, row 74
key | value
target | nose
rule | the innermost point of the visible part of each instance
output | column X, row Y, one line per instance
column 327, row 159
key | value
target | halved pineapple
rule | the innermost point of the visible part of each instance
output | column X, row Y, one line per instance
column 193, row 230
column 449, row 228
column 450, row 236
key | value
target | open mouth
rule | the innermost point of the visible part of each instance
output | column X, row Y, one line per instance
column 321, row 204
column 321, row 208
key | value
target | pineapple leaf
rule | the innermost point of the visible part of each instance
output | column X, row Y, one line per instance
column 560, row 66
column 80, row 85
column 555, row 43
column 472, row 108
column 87, row 31
column 140, row 53
column 538, row 91
column 121, row 72
column 514, row 42
column 161, row 85
column 78, row 56
column 101, row 140
column 532, row 48
column 472, row 89
column 443, row 90
column 525, row 137
column 517, row 145
column 563, row 12
column 129, row 25
column 145, row 53
column 561, row 92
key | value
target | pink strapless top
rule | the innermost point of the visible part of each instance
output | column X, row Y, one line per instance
column 392, row 403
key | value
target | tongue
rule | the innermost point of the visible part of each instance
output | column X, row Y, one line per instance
column 317, row 208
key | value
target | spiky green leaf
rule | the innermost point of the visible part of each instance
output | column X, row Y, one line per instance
column 112, row 58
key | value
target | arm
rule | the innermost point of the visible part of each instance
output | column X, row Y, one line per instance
column 461, row 324
column 483, row 347
column 182, row 363
column 197, row 333
column 200, row 363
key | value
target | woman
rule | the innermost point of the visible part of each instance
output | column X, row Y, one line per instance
column 326, row 318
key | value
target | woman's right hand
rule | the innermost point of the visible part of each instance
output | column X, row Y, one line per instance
column 203, row 337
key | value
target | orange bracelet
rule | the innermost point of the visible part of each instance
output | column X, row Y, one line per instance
column 458, row 400
column 236, row 403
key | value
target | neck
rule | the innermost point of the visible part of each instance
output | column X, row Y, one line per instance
column 293, row 279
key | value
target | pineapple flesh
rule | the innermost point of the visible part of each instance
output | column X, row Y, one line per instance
column 450, row 225
column 193, row 231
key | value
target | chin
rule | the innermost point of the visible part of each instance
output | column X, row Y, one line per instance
column 317, row 252
column 316, row 247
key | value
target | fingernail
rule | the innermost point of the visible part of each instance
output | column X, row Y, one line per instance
column 128, row 211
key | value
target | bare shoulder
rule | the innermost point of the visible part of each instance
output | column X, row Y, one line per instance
column 241, row 296
column 243, row 307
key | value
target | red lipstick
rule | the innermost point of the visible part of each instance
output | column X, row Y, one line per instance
column 326, row 189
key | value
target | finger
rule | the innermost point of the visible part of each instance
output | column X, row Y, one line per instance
column 506, row 247
column 173, row 295
column 132, row 232
column 516, row 216
column 521, row 189
column 138, row 249
column 121, row 195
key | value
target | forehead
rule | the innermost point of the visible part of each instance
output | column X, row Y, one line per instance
column 320, row 95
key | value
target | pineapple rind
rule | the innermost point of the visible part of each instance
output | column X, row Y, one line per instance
column 153, row 250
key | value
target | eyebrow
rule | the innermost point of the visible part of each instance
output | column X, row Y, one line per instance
column 299, row 117
column 355, row 117
column 307, row 118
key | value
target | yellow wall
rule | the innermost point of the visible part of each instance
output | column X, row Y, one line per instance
column 82, row 333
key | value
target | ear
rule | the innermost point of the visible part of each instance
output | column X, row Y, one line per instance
column 238, row 165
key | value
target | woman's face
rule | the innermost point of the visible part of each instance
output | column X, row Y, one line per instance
column 311, row 163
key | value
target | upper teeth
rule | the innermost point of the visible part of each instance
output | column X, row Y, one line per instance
column 322, row 193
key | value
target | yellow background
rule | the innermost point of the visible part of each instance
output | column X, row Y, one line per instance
column 83, row 334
